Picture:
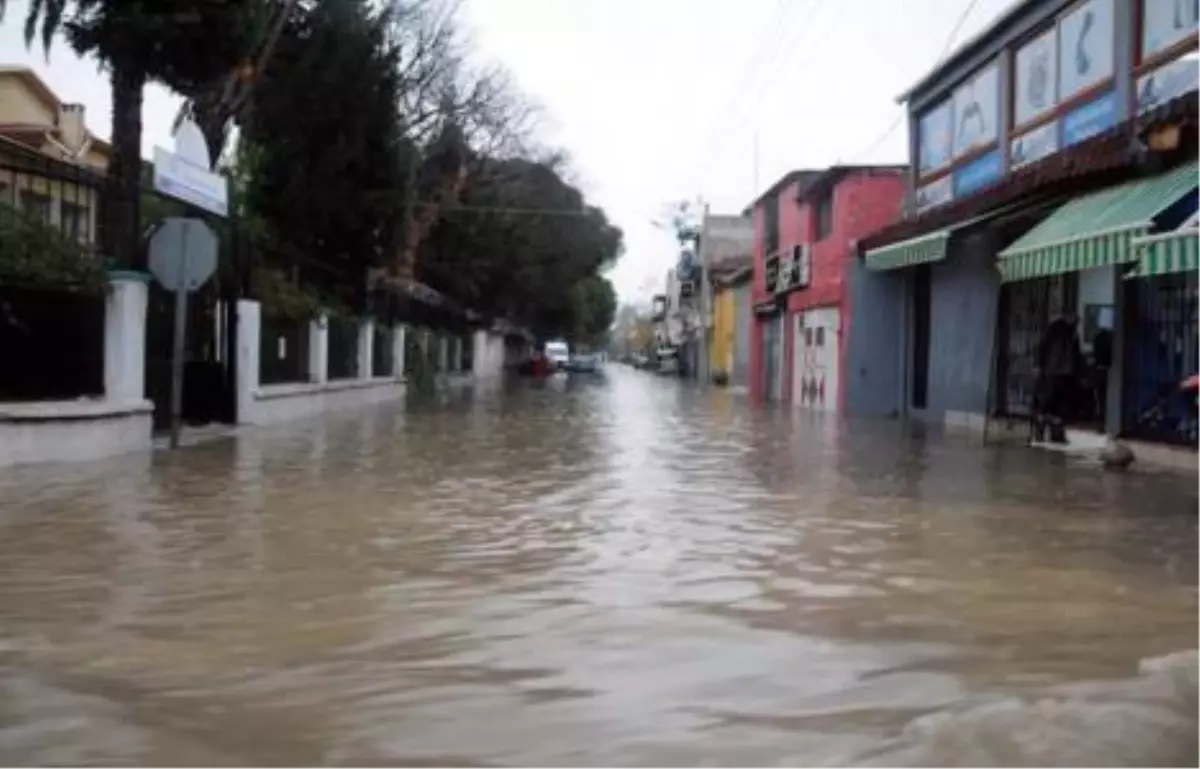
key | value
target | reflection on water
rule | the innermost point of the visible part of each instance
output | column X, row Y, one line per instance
column 628, row 571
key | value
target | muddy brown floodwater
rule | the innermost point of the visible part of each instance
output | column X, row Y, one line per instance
column 623, row 571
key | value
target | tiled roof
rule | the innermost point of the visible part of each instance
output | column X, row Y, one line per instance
column 1103, row 159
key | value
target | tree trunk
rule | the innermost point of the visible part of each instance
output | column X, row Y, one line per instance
column 119, row 236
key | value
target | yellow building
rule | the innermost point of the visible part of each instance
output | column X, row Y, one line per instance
column 727, row 277
column 720, row 352
column 51, row 165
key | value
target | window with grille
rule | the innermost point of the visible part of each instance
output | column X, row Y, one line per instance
column 825, row 215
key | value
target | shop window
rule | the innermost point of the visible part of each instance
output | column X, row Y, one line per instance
column 1027, row 307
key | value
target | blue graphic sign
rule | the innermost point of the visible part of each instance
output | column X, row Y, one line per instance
column 1034, row 145
column 979, row 173
column 1092, row 118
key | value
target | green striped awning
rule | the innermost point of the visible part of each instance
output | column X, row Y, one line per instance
column 930, row 247
column 1168, row 253
column 1095, row 230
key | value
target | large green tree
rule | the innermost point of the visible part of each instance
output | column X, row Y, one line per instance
column 595, row 304
column 180, row 43
column 328, row 152
column 518, row 243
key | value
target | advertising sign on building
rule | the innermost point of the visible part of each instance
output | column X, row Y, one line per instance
column 1167, row 82
column 1086, row 47
column 1166, row 22
column 979, row 173
column 1037, row 78
column 1034, row 145
column 935, row 130
column 976, row 111
column 1092, row 118
column 935, row 194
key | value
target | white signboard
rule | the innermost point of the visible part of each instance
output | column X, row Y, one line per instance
column 1034, row 145
column 1086, row 47
column 1037, row 78
column 935, row 129
column 977, row 110
column 935, row 193
column 1166, row 22
column 186, row 175
column 1167, row 82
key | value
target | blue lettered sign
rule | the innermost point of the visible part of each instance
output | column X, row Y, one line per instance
column 1092, row 118
column 979, row 173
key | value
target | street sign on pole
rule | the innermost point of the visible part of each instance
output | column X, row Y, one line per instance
column 186, row 174
column 183, row 255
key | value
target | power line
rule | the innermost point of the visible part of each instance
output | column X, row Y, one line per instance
column 946, row 49
column 776, row 28
column 452, row 208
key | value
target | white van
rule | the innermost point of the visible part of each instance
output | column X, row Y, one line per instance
column 558, row 353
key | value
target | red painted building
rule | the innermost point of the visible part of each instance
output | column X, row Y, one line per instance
column 806, row 227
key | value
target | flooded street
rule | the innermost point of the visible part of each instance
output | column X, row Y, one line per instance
column 624, row 571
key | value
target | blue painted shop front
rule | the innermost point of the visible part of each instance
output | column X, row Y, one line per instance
column 921, row 339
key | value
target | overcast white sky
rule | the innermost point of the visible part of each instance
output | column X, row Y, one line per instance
column 661, row 100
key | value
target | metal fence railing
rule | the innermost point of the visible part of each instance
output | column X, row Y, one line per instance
column 1161, row 350
column 382, row 364
column 343, row 348
column 283, row 350
column 1027, row 309
column 51, row 323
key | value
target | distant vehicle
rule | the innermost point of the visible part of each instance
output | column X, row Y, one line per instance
column 583, row 364
column 668, row 361
column 558, row 353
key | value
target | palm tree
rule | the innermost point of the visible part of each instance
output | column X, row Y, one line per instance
column 181, row 43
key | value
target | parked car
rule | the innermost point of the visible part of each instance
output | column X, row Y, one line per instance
column 583, row 364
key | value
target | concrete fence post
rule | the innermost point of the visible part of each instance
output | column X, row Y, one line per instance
column 398, row 340
column 366, row 335
column 125, row 337
column 318, row 349
column 249, row 325
column 482, row 358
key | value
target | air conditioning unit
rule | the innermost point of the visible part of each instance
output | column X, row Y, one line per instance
column 784, row 282
column 802, row 266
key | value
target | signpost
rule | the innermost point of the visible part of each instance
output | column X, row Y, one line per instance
column 183, row 255
column 183, row 251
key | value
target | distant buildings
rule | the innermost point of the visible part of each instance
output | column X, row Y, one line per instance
column 806, row 229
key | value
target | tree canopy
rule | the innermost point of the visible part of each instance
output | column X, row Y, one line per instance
column 370, row 152
column 180, row 43
column 424, row 169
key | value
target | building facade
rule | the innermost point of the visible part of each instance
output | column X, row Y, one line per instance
column 1053, row 165
column 723, row 246
column 802, row 299
column 51, row 165
column 777, row 229
column 727, row 288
